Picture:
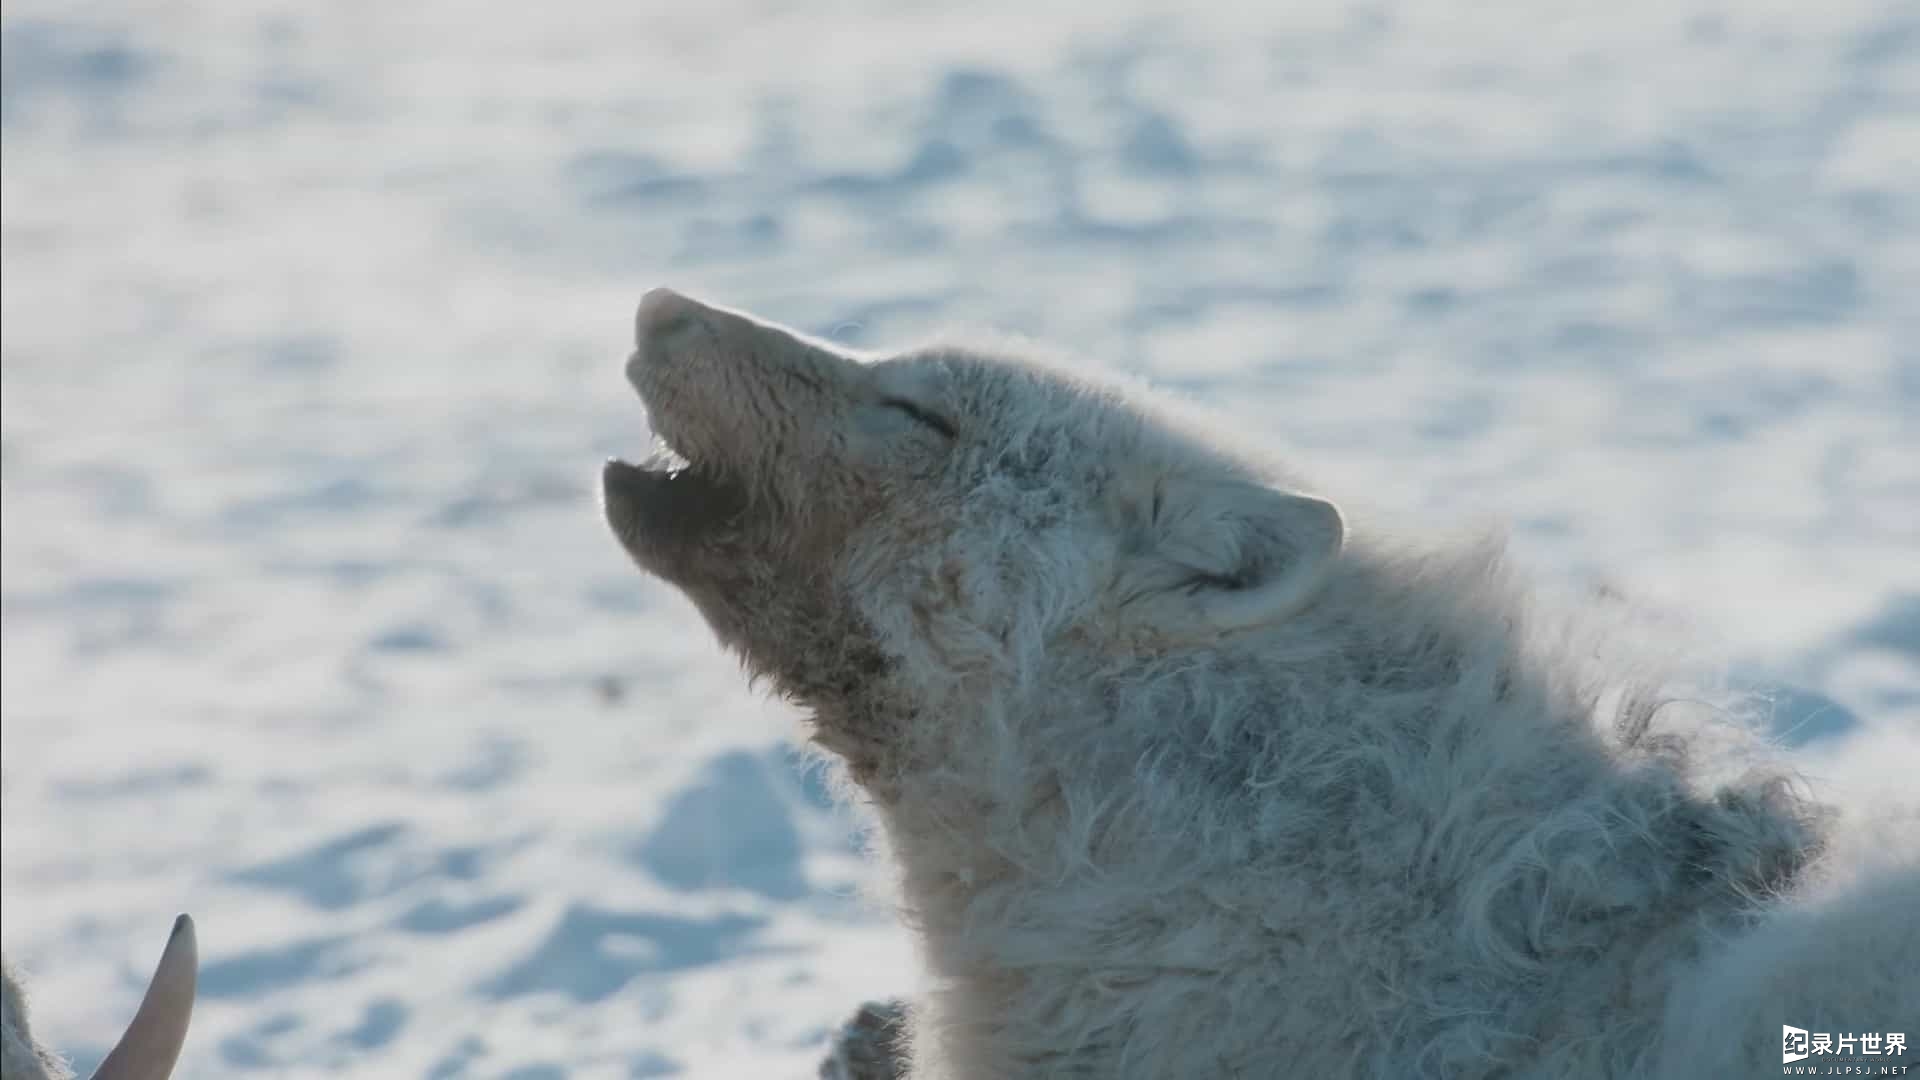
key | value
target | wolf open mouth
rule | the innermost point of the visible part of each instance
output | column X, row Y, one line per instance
column 666, row 501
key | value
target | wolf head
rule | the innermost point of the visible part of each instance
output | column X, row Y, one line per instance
column 879, row 534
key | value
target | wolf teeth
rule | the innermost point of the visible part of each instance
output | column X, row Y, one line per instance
column 664, row 458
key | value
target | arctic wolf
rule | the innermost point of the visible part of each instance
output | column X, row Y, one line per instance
column 1185, row 776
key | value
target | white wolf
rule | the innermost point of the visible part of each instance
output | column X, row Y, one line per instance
column 1183, row 777
column 152, row 1041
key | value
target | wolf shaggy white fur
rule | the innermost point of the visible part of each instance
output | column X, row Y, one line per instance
column 1185, row 776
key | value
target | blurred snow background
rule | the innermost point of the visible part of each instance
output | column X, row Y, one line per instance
column 313, row 324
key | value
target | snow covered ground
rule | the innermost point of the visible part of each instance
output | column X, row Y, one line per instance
column 313, row 324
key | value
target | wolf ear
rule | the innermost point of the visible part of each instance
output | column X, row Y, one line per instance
column 152, row 1042
column 1232, row 557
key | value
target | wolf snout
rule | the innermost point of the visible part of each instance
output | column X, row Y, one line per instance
column 664, row 312
column 667, row 326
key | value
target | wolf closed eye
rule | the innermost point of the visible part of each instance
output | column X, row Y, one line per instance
column 922, row 416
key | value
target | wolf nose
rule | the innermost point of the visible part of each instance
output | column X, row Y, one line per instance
column 663, row 311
